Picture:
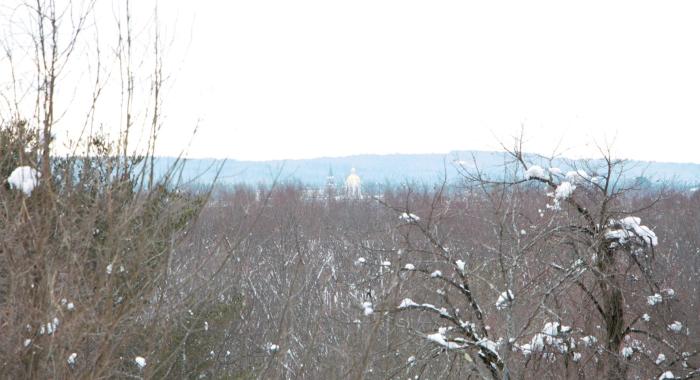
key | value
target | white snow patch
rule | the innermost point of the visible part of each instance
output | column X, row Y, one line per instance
column 109, row 269
column 409, row 267
column 629, row 228
column 646, row 317
column 655, row 299
column 50, row 327
column 589, row 340
column 535, row 171
column 24, row 178
column 489, row 345
column 667, row 375
column 386, row 263
column 549, row 336
column 409, row 217
column 140, row 361
column 461, row 265
column 660, row 359
column 27, row 342
column 71, row 358
column 437, row 273
column 577, row 357
column 676, row 327
column 361, row 260
column 411, row 360
column 439, row 338
column 627, row 352
column 367, row 306
column 271, row 347
column 407, row 302
column 504, row 300
column 564, row 190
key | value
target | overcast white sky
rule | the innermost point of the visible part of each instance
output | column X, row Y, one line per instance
column 300, row 79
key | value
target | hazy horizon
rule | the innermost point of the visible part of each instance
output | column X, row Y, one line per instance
column 445, row 154
column 270, row 80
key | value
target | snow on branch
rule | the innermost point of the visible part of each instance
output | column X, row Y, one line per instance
column 504, row 300
column 409, row 217
column 564, row 190
column 552, row 334
column 440, row 338
column 408, row 303
column 629, row 230
column 24, row 178
column 534, row 172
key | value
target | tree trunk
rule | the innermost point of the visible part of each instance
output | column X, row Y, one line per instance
column 614, row 315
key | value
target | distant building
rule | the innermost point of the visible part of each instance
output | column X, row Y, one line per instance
column 353, row 185
column 330, row 184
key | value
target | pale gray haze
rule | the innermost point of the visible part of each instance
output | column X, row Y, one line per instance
column 301, row 79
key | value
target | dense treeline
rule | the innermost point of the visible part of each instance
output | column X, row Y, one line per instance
column 320, row 281
column 480, row 281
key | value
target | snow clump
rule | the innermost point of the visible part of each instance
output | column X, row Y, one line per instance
column 24, row 178
column 627, row 352
column 407, row 302
column 589, row 340
column 676, row 327
column 409, row 218
column 461, row 265
column 140, row 361
column 535, row 172
column 653, row 300
column 368, row 309
column 271, row 347
column 660, row 359
column 504, row 300
column 564, row 190
column 551, row 335
column 629, row 229
column 439, row 338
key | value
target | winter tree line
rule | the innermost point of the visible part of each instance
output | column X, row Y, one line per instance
column 551, row 273
column 556, row 274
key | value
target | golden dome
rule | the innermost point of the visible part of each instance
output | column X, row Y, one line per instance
column 353, row 184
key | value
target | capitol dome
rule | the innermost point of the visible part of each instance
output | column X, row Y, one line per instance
column 353, row 185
